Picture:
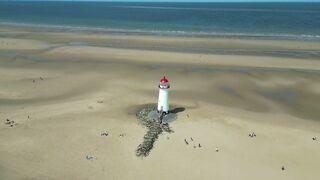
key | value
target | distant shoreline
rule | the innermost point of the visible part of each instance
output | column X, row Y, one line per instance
column 232, row 44
column 303, row 37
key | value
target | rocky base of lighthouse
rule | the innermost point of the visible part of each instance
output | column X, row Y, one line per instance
column 155, row 128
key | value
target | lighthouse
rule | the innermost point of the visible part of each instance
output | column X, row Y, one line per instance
column 163, row 102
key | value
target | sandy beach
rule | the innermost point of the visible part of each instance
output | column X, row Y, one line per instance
column 59, row 90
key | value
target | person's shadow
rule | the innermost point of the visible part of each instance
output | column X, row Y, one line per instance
column 177, row 110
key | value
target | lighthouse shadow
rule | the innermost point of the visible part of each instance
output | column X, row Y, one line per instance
column 177, row 110
column 173, row 114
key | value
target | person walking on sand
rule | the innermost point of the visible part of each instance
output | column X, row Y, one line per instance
column 253, row 134
column 186, row 141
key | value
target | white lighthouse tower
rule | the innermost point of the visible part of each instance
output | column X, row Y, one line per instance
column 163, row 102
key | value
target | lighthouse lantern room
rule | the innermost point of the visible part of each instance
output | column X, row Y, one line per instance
column 163, row 102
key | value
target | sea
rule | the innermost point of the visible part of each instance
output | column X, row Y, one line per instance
column 274, row 20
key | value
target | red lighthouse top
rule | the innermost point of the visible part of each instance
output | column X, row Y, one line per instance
column 164, row 80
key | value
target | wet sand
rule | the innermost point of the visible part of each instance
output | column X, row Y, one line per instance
column 62, row 89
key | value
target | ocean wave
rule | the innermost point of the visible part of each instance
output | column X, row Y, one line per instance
column 68, row 28
column 219, row 9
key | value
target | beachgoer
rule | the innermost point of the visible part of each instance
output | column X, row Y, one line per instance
column 104, row 134
column 186, row 141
